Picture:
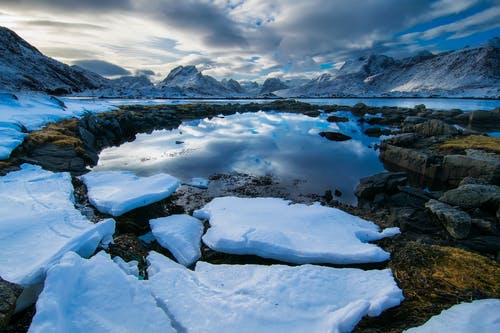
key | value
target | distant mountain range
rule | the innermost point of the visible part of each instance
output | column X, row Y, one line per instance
column 470, row 72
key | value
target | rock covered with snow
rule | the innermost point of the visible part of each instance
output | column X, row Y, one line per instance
column 477, row 316
column 275, row 228
column 117, row 192
column 95, row 295
column 39, row 224
column 181, row 235
column 277, row 298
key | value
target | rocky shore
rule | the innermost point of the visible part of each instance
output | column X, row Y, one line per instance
column 442, row 191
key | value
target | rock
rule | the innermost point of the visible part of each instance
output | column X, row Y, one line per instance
column 410, row 197
column 402, row 140
column 386, row 182
column 488, row 244
column 435, row 127
column 375, row 132
column 407, row 159
column 457, row 167
column 411, row 219
column 9, row 292
column 456, row 222
column 57, row 158
column 337, row 119
column 413, row 120
column 471, row 180
column 473, row 196
column 335, row 136
column 486, row 227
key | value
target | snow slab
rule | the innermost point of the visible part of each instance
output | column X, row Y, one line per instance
column 117, row 192
column 181, row 235
column 39, row 223
column 478, row 316
column 277, row 298
column 296, row 233
column 31, row 111
column 95, row 295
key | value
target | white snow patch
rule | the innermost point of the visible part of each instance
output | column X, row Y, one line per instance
column 95, row 295
column 181, row 235
column 277, row 298
column 117, row 192
column 296, row 233
column 39, row 224
column 477, row 316
column 33, row 110
column 130, row 268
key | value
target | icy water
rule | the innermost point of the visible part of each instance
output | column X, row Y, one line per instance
column 431, row 103
column 285, row 146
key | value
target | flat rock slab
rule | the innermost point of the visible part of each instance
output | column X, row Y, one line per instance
column 181, row 235
column 296, row 233
column 456, row 221
column 39, row 224
column 478, row 316
column 95, row 295
column 117, row 192
column 277, row 298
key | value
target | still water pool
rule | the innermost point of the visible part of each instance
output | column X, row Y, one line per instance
column 286, row 146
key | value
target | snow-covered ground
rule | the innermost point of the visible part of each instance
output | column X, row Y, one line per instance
column 95, row 295
column 117, row 192
column 31, row 111
column 181, row 235
column 39, row 224
column 478, row 316
column 277, row 298
column 275, row 228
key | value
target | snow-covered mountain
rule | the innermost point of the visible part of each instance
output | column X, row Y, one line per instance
column 125, row 86
column 188, row 81
column 23, row 67
column 470, row 72
column 272, row 84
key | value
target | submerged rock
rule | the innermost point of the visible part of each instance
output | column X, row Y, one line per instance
column 456, row 222
column 335, row 136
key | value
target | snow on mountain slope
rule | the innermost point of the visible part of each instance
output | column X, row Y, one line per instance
column 23, row 67
column 190, row 82
column 470, row 72
column 271, row 85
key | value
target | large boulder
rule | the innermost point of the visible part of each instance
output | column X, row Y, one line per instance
column 473, row 196
column 476, row 165
column 386, row 182
column 435, row 127
column 455, row 221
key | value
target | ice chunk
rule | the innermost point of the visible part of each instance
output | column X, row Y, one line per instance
column 277, row 298
column 296, row 233
column 478, row 316
column 95, row 295
column 117, row 192
column 39, row 223
column 198, row 182
column 181, row 235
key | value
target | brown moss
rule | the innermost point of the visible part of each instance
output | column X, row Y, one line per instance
column 487, row 143
column 434, row 278
column 63, row 133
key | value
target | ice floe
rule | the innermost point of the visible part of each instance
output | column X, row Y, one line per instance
column 95, row 295
column 296, row 233
column 181, row 235
column 198, row 182
column 277, row 298
column 39, row 224
column 117, row 192
column 478, row 316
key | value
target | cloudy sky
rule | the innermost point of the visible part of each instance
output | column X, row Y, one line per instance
column 243, row 39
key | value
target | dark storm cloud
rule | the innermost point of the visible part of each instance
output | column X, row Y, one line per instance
column 202, row 18
column 69, row 5
column 102, row 67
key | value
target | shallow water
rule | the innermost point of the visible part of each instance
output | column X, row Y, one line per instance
column 286, row 146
